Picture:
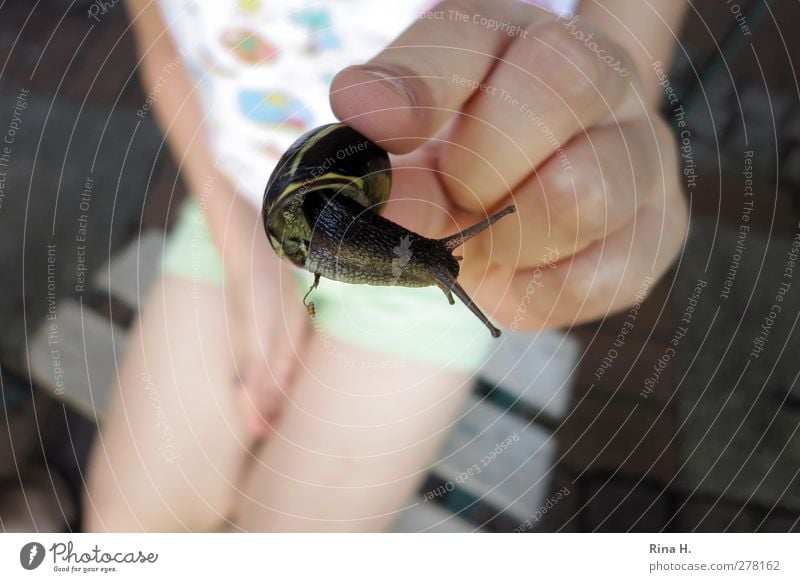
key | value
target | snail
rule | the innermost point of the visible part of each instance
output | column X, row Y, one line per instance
column 322, row 209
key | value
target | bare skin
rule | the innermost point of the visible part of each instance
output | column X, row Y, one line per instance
column 174, row 453
column 271, row 431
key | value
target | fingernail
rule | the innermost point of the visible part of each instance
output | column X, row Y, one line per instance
column 394, row 78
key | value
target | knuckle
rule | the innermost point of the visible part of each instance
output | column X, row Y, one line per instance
column 586, row 290
column 641, row 150
column 578, row 204
column 576, row 63
column 592, row 202
column 571, row 65
column 573, row 288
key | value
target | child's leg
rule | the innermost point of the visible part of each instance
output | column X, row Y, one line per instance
column 352, row 444
column 172, row 443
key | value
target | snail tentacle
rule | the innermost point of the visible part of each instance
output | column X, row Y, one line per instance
column 454, row 241
column 449, row 285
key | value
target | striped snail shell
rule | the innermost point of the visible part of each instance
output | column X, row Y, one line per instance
column 322, row 213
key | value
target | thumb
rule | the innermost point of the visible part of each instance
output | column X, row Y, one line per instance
column 409, row 90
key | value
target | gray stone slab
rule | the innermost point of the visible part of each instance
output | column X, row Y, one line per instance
column 131, row 272
column 77, row 360
column 499, row 458
column 429, row 517
column 537, row 368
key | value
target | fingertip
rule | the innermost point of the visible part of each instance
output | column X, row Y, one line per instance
column 384, row 103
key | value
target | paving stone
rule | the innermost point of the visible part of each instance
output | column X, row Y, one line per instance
column 652, row 321
column 40, row 503
column 709, row 515
column 107, row 52
column 763, row 116
column 498, row 458
column 19, row 440
column 623, row 372
column 606, row 435
column 67, row 438
column 789, row 396
column 775, row 214
column 711, row 116
column 51, row 225
column 86, row 348
column 757, row 125
column 429, row 517
column 535, row 368
column 613, row 504
column 779, row 521
column 738, row 438
column 109, row 307
column 562, row 513
column 165, row 195
column 133, row 269
column 491, row 520
column 790, row 166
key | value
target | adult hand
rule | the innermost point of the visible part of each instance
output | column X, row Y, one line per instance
column 491, row 104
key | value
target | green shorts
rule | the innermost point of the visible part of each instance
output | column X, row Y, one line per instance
column 403, row 323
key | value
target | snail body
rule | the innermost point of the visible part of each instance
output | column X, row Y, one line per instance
column 322, row 213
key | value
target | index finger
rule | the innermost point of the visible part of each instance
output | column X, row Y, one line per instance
column 404, row 95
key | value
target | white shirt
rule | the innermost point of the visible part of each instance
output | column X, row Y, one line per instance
column 264, row 68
